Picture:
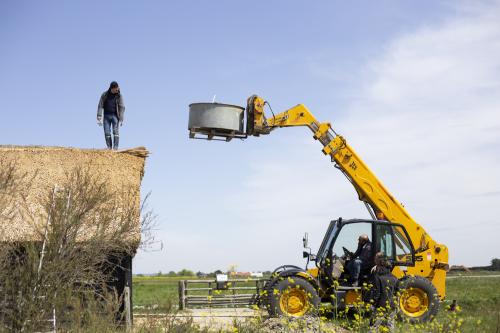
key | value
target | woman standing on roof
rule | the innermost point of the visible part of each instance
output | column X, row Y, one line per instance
column 111, row 104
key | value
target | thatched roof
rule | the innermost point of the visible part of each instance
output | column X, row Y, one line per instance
column 48, row 167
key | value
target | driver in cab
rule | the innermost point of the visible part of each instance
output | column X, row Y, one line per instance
column 361, row 260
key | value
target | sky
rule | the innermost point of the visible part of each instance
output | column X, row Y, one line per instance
column 413, row 86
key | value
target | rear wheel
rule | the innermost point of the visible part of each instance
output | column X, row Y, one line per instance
column 418, row 300
column 293, row 297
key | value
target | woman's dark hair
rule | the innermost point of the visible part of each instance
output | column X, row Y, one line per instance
column 381, row 260
column 112, row 85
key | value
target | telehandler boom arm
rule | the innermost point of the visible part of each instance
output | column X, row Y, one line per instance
column 431, row 257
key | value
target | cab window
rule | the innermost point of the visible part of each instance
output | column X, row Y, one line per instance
column 349, row 235
column 404, row 255
column 384, row 242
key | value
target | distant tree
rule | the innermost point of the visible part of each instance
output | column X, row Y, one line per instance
column 218, row 272
column 495, row 264
column 171, row 274
column 159, row 273
column 185, row 272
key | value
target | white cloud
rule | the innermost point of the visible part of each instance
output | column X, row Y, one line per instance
column 426, row 120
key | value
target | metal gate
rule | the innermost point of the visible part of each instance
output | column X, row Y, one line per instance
column 212, row 293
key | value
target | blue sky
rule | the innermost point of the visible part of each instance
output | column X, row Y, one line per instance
column 412, row 85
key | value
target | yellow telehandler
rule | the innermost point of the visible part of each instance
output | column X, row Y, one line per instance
column 418, row 261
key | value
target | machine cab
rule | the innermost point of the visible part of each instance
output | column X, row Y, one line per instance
column 341, row 240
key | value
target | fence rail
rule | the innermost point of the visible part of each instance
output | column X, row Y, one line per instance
column 212, row 294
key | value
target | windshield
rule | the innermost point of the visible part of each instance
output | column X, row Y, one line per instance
column 327, row 242
column 349, row 235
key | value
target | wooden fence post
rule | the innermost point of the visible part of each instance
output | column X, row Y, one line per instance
column 128, row 310
column 182, row 295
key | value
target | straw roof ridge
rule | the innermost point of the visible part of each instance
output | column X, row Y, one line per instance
column 137, row 151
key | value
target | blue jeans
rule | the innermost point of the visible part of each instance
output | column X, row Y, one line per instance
column 110, row 120
column 354, row 268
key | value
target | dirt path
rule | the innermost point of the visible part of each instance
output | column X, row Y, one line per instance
column 216, row 319
column 224, row 319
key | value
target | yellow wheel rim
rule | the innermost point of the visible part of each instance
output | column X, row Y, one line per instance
column 294, row 302
column 414, row 302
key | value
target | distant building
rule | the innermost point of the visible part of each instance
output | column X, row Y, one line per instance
column 240, row 274
column 246, row 274
column 459, row 268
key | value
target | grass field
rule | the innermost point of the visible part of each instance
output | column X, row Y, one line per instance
column 155, row 292
column 477, row 297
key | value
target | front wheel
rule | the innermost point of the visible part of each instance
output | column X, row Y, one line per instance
column 292, row 297
column 418, row 300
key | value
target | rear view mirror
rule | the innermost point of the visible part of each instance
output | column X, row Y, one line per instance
column 305, row 240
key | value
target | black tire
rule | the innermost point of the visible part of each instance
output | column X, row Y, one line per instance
column 417, row 287
column 288, row 287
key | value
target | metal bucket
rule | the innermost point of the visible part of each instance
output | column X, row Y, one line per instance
column 216, row 120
